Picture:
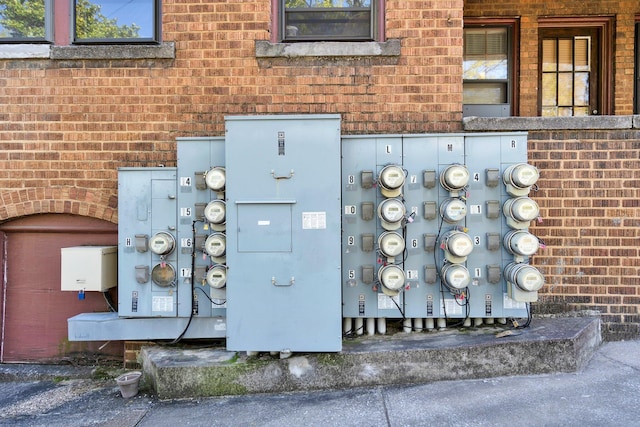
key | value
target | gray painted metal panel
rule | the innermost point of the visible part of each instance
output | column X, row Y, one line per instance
column 282, row 300
column 146, row 205
column 196, row 156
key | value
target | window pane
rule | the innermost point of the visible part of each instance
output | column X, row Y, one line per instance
column 549, row 88
column 581, row 96
column 328, row 20
column 582, row 53
column 22, row 19
column 486, row 54
column 549, row 55
column 565, row 89
column 565, row 55
column 115, row 19
column 484, row 93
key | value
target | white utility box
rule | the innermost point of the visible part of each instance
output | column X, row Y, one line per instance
column 89, row 268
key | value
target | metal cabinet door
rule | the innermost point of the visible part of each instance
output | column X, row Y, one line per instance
column 283, row 233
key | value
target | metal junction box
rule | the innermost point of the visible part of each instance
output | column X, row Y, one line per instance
column 283, row 227
column 89, row 268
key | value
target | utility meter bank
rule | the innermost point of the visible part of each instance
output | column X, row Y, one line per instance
column 285, row 236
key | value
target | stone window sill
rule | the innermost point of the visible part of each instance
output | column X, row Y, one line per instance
column 130, row 51
column 265, row 49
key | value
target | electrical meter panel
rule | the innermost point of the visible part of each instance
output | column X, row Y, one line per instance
column 202, row 238
column 284, row 236
column 283, row 233
column 435, row 227
column 148, row 283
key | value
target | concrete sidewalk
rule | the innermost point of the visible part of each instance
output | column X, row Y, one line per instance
column 603, row 393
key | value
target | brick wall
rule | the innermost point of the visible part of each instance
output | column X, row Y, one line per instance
column 69, row 124
column 589, row 195
column 529, row 11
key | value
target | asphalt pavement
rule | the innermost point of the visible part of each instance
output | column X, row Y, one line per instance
column 605, row 393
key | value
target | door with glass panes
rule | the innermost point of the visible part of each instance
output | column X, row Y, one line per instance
column 569, row 78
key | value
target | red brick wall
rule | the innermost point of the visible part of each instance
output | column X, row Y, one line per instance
column 529, row 11
column 69, row 124
column 589, row 200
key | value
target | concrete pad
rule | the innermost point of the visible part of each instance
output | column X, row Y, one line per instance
column 547, row 346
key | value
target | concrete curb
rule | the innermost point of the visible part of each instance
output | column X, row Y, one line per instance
column 549, row 345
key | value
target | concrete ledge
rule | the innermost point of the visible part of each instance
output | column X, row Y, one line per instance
column 548, row 345
column 265, row 49
column 549, row 123
column 115, row 51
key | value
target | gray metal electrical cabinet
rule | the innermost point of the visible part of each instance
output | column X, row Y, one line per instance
column 147, row 258
column 283, row 233
column 201, row 167
column 488, row 156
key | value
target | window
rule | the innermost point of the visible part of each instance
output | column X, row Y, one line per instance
column 575, row 66
column 26, row 21
column 317, row 20
column 114, row 21
column 569, row 75
column 488, row 70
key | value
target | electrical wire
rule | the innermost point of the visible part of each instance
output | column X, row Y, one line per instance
column 193, row 292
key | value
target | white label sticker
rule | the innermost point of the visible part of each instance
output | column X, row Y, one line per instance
column 185, row 212
column 162, row 304
column 314, row 220
column 350, row 210
column 185, row 181
column 452, row 307
column 412, row 274
column 186, row 242
column 264, row 222
column 185, row 272
column 385, row 302
column 475, row 209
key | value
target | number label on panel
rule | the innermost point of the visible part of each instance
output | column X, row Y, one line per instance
column 478, row 272
column 412, row 274
column 413, row 179
column 351, row 240
column 186, row 242
column 128, row 242
column 475, row 209
column 185, row 181
column 414, row 243
column 350, row 210
column 185, row 212
column 185, row 272
column 388, row 149
column 476, row 177
column 352, row 274
column 476, row 240
column 513, row 143
column 351, row 179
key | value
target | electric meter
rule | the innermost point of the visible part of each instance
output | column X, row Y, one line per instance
column 521, row 242
column 391, row 180
column 455, row 276
column 215, row 178
column 217, row 276
column 391, row 244
column 456, row 245
column 520, row 212
column 391, row 213
column 453, row 210
column 392, row 279
column 524, row 276
column 454, row 177
column 216, row 212
column 519, row 178
column 163, row 275
column 216, row 245
column 162, row 243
